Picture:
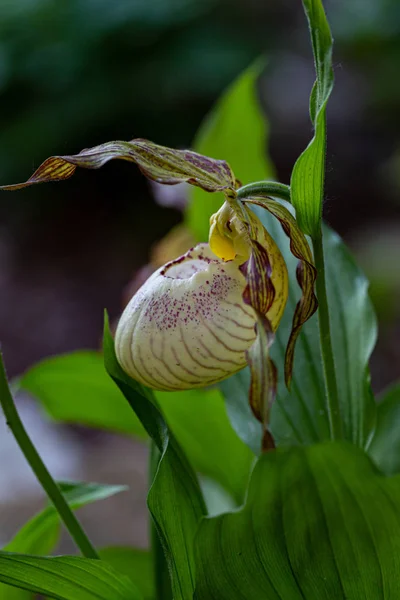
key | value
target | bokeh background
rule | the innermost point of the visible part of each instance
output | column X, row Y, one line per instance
column 74, row 74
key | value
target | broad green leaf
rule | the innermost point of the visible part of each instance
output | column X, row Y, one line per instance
column 320, row 523
column 175, row 489
column 40, row 535
column 66, row 577
column 299, row 415
column 236, row 131
column 307, row 181
column 385, row 445
column 75, row 388
column 135, row 564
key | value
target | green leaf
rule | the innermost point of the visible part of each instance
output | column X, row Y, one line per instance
column 75, row 388
column 298, row 415
column 385, row 445
column 40, row 535
column 135, row 564
column 175, row 488
column 320, row 523
column 307, row 181
column 236, row 130
column 66, row 578
column 217, row 499
column 197, row 415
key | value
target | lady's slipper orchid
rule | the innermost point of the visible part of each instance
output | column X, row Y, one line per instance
column 203, row 316
column 188, row 325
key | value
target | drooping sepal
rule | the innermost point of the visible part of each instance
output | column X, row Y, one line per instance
column 306, row 273
column 259, row 293
column 264, row 377
column 159, row 163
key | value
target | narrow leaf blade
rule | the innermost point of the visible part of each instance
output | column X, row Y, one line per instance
column 307, row 181
column 175, row 486
column 66, row 578
column 40, row 534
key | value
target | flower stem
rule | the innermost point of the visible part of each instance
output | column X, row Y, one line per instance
column 45, row 479
column 328, row 360
column 265, row 188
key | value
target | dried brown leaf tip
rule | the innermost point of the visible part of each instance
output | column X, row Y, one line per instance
column 159, row 163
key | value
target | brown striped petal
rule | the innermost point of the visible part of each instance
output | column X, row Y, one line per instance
column 161, row 164
column 260, row 294
column 264, row 377
column 306, row 273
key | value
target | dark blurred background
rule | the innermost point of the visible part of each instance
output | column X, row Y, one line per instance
column 74, row 74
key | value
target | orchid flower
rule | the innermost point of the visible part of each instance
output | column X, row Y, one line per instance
column 207, row 314
column 188, row 326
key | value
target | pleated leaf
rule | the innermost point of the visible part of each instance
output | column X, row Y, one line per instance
column 320, row 523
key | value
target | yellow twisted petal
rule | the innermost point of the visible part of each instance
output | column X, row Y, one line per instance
column 230, row 238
